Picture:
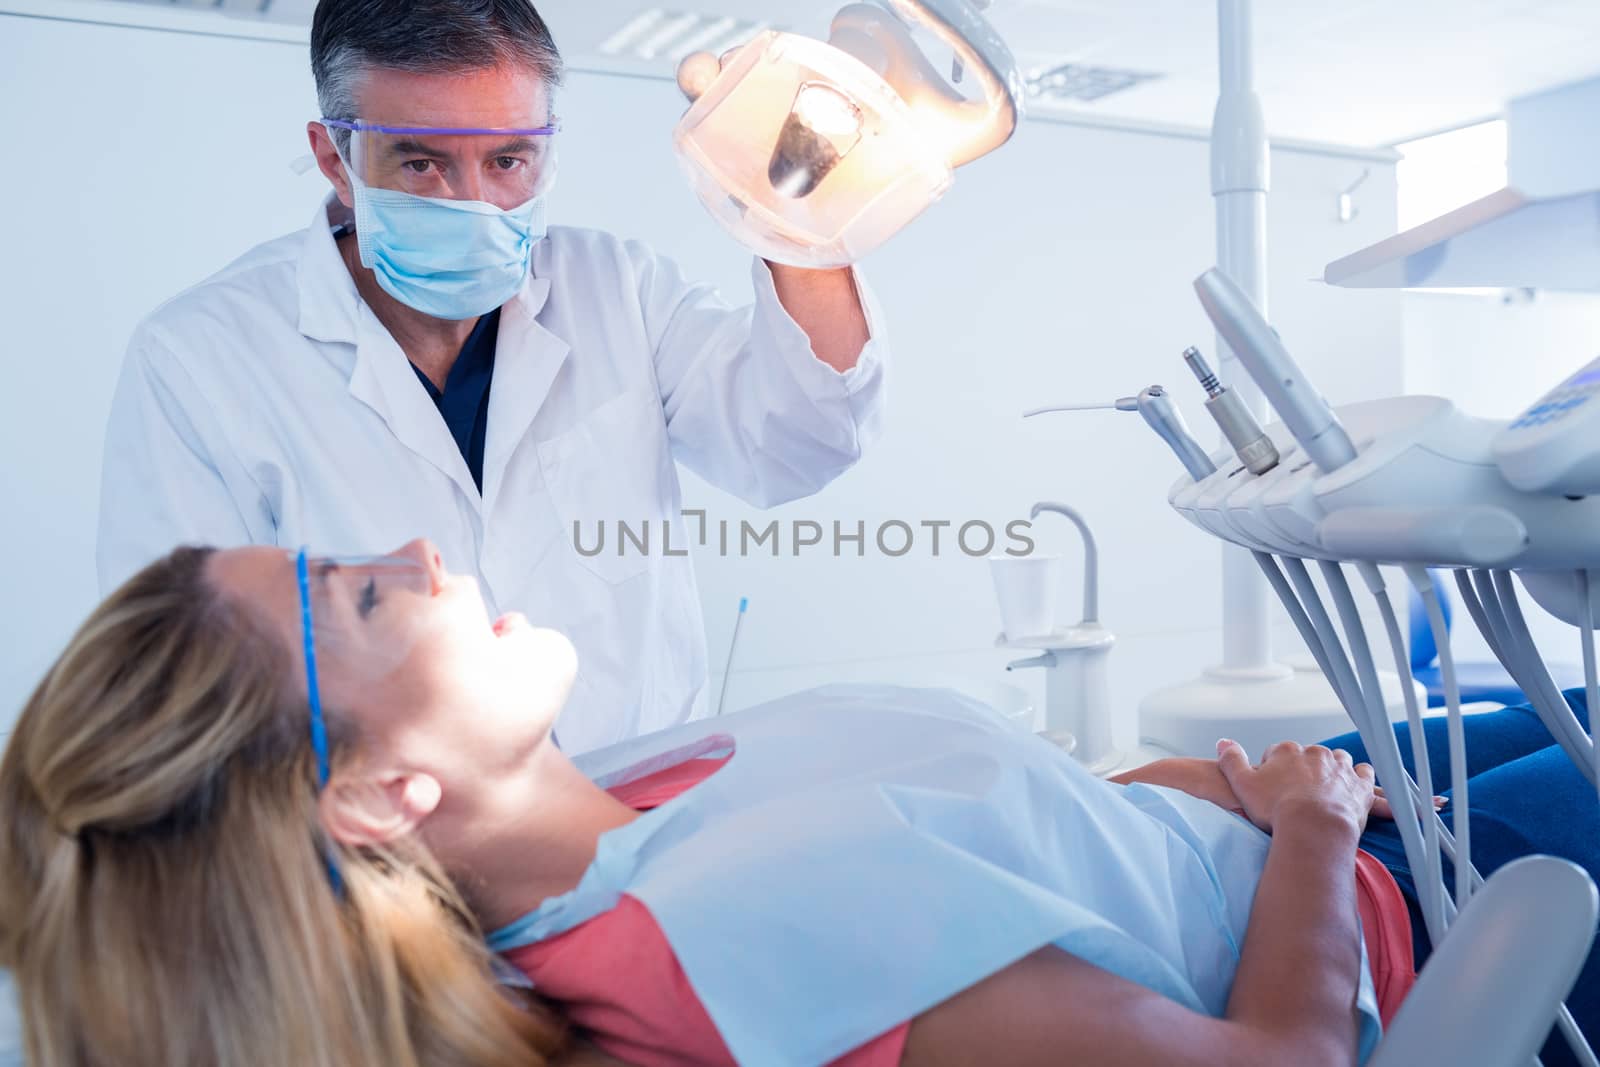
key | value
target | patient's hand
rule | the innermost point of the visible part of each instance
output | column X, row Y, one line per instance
column 1204, row 779
column 1198, row 777
column 1298, row 781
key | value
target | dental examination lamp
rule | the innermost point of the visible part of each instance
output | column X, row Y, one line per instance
column 813, row 154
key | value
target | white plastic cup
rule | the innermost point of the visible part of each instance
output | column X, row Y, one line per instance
column 1026, row 588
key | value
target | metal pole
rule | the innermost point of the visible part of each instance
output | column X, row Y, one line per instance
column 1240, row 178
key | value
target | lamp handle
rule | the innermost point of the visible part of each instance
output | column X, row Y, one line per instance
column 967, row 128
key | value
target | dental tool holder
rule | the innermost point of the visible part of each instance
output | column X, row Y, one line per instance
column 1425, row 488
column 1400, row 500
column 1077, row 703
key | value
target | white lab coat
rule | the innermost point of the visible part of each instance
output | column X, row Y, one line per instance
column 268, row 405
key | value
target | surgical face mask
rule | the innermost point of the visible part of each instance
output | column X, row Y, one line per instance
column 424, row 225
column 452, row 259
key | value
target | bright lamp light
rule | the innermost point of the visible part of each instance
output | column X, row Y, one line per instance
column 813, row 154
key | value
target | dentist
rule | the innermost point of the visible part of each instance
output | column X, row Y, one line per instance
column 428, row 358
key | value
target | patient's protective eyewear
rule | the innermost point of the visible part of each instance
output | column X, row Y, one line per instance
column 340, row 601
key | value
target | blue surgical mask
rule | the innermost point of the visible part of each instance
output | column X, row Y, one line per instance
column 452, row 259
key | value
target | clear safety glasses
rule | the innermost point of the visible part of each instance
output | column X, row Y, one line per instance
column 358, row 623
column 357, row 627
column 503, row 167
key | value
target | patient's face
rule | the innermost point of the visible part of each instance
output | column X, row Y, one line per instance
column 430, row 683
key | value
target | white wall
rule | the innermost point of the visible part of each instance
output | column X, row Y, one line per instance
column 1494, row 356
column 1057, row 270
column 142, row 178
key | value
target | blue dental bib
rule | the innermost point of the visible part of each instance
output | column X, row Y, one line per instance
column 868, row 852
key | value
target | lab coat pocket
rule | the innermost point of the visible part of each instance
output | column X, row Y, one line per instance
column 610, row 478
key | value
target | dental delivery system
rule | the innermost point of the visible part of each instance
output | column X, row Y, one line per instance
column 1412, row 482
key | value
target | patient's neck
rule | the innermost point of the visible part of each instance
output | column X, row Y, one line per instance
column 512, row 845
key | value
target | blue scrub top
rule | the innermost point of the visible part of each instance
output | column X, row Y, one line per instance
column 464, row 403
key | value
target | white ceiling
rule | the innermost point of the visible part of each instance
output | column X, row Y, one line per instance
column 1360, row 72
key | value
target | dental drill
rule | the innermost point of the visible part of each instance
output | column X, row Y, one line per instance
column 1253, row 447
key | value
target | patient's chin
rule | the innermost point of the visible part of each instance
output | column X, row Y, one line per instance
column 543, row 664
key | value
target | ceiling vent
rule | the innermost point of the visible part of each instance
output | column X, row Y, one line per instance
column 661, row 35
column 1083, row 83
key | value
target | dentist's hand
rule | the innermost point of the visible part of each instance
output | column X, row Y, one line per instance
column 1293, row 781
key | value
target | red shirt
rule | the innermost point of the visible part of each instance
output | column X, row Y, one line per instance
column 1386, row 925
column 616, row 976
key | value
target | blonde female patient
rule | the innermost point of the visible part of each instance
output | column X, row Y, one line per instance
column 276, row 810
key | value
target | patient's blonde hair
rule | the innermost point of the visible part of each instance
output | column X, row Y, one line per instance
column 164, row 897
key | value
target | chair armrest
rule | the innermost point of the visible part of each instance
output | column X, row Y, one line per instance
column 1489, row 993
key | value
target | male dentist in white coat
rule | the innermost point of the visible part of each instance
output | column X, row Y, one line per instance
column 428, row 359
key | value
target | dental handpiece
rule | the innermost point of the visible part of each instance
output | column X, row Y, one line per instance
column 1254, row 448
column 1156, row 407
column 1305, row 413
column 1163, row 416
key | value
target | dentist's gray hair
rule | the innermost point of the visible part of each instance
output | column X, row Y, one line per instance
column 350, row 37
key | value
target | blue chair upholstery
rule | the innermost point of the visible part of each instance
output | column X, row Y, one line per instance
column 1480, row 681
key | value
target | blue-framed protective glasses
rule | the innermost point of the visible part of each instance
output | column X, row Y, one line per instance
column 355, row 628
column 500, row 165
column 348, row 644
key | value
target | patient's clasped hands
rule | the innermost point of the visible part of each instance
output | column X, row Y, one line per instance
column 1206, row 779
column 1298, row 779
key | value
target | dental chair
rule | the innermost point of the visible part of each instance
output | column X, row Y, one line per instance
column 1484, row 999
